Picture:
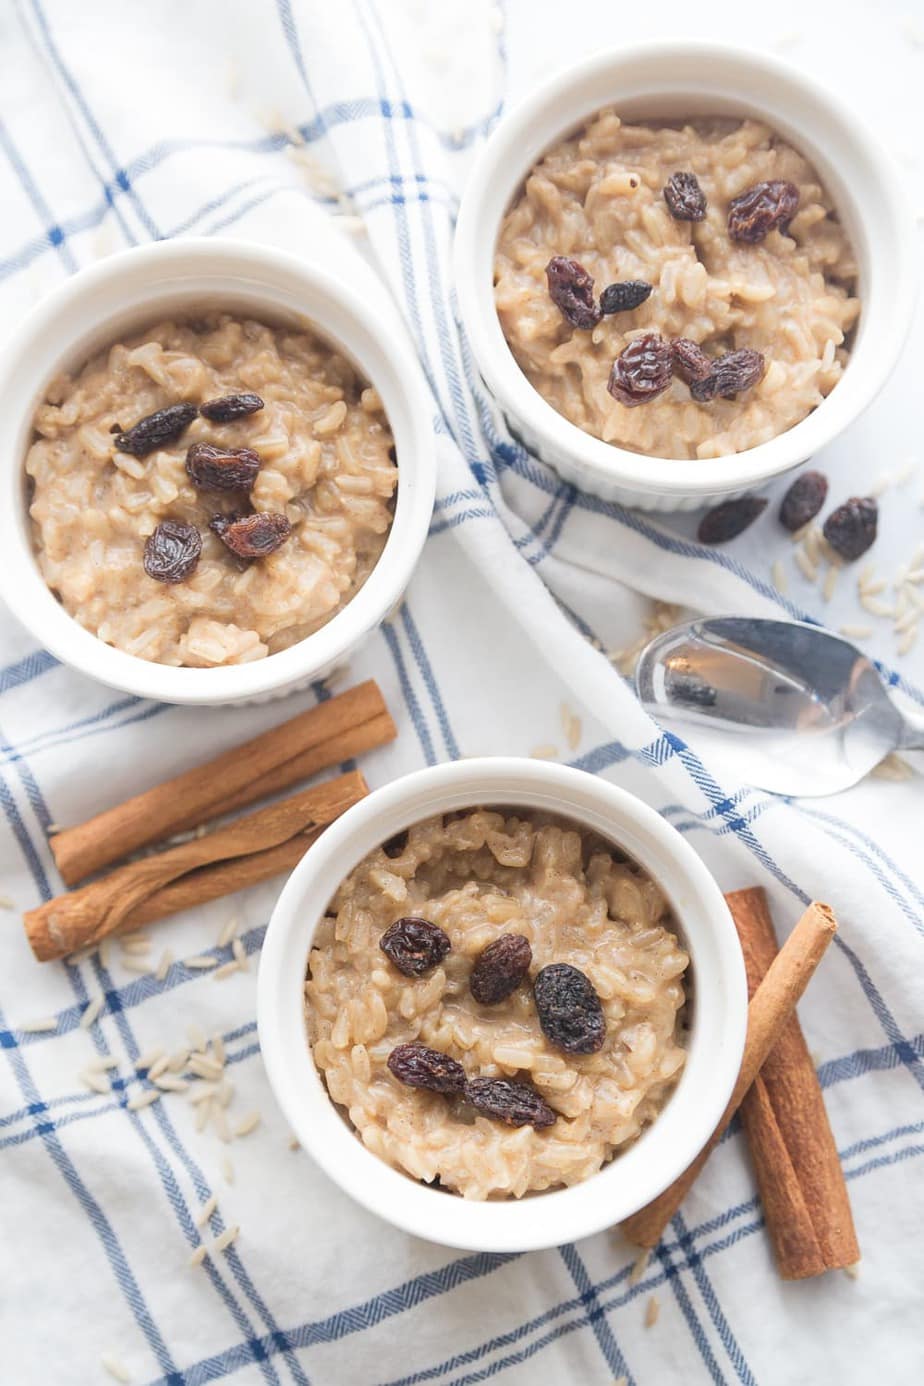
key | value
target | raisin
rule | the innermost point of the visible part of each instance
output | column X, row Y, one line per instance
column 395, row 846
column 624, row 296
column 803, row 500
column 415, row 946
column 229, row 407
column 689, row 360
column 851, row 528
column 500, row 968
column 642, row 372
column 572, row 291
column 172, row 552
column 685, row 199
column 761, row 209
column 516, row 1104
column 222, row 469
column 569, row 1009
column 251, row 536
column 736, row 370
column 419, row 1067
column 731, row 518
column 157, row 429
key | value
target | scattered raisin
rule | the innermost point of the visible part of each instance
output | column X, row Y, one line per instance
column 851, row 528
column 222, row 469
column 731, row 518
column 252, row 536
column 420, row 1067
column 500, row 968
column 572, row 291
column 624, row 296
column 513, row 1103
column 689, row 360
column 735, row 371
column 229, row 407
column 156, row 430
column 803, row 500
column 172, row 552
column 569, row 1009
column 642, row 372
column 762, row 208
column 415, row 946
column 685, row 199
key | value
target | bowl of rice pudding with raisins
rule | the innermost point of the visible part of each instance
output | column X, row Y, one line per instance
column 502, row 1003
column 683, row 269
column 218, row 475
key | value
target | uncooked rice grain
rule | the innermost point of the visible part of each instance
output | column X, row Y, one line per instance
column 240, row 953
column 115, row 1367
column 206, row 1211
column 247, row 1124
column 805, row 565
column 39, row 1026
column 95, row 1081
column 652, row 1310
column 227, row 932
column 227, row 1169
column 91, row 1013
column 198, row 1255
column 199, row 961
column 224, row 1241
column 226, row 970
column 142, row 1099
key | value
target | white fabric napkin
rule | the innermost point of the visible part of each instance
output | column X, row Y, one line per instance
column 344, row 132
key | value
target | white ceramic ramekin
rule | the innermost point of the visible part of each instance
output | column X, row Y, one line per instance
column 128, row 291
column 719, row 1008
column 675, row 79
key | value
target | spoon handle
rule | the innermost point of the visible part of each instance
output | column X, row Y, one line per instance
column 912, row 735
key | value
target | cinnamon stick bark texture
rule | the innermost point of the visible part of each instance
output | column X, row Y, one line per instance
column 85, row 916
column 771, row 1006
column 798, row 1170
column 324, row 736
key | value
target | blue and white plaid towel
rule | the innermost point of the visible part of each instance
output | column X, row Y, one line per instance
column 123, row 123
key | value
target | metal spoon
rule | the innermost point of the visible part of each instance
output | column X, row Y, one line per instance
column 788, row 707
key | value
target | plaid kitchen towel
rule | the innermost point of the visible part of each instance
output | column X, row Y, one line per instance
column 344, row 131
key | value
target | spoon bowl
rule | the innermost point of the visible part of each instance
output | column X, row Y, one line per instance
column 793, row 708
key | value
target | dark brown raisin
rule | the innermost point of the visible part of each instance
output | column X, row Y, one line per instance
column 685, row 199
column 251, row 536
column 516, row 1104
column 762, row 208
column 500, row 968
column 689, row 360
column 569, row 1009
column 803, row 500
column 395, row 846
column 735, row 371
column 156, row 430
column 642, row 372
column 624, row 296
column 228, row 407
column 415, row 946
column 851, row 528
column 172, row 552
column 222, row 469
column 572, row 291
column 731, row 518
column 419, row 1067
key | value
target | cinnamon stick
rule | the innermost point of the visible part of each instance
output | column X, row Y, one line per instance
column 85, row 916
column 222, row 878
column 771, row 1006
column 324, row 736
column 798, row 1170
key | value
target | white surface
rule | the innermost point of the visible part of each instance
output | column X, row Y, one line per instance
column 715, row 1045
column 681, row 80
column 478, row 662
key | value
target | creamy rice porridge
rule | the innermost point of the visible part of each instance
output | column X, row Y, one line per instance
column 619, row 200
column 588, row 1075
column 133, row 530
